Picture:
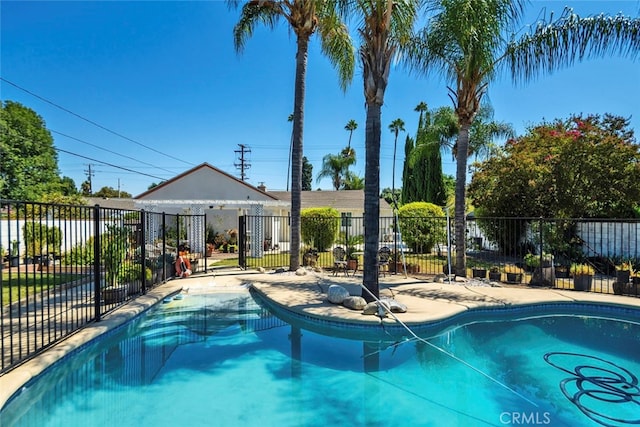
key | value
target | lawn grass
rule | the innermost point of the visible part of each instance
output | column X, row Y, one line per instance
column 21, row 285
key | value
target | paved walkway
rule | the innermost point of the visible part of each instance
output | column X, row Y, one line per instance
column 306, row 296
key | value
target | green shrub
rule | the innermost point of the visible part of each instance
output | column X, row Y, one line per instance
column 422, row 225
column 319, row 227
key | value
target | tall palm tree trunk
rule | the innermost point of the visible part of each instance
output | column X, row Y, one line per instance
column 297, row 152
column 371, row 201
column 461, row 184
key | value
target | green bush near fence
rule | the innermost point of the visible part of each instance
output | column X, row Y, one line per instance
column 422, row 225
column 319, row 227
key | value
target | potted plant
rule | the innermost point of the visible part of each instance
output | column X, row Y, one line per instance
column 562, row 271
column 479, row 272
column 582, row 276
column 514, row 273
column 624, row 271
column 495, row 274
column 352, row 259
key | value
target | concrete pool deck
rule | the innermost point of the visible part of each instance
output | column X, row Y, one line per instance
column 307, row 296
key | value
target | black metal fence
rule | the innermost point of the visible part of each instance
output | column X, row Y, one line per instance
column 535, row 251
column 64, row 266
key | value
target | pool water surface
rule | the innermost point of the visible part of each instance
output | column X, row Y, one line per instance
column 221, row 359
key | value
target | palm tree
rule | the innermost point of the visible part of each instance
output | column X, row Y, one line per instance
column 352, row 181
column 304, row 17
column 383, row 26
column 395, row 127
column 472, row 54
column 350, row 126
column 335, row 167
column 420, row 108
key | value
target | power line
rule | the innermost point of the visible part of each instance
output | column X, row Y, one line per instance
column 92, row 122
column 109, row 151
column 108, row 164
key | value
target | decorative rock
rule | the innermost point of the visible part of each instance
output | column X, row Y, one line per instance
column 374, row 308
column 336, row 294
column 394, row 306
column 301, row 272
column 354, row 303
column 371, row 308
column 261, row 270
column 280, row 270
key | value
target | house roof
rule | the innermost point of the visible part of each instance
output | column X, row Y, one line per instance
column 149, row 193
column 346, row 200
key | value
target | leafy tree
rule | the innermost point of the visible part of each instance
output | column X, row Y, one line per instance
column 320, row 227
column 29, row 166
column 111, row 192
column 408, row 182
column 422, row 225
column 68, row 186
column 435, row 132
column 471, row 54
column 384, row 25
column 307, row 174
column 387, row 195
column 582, row 167
column 305, row 18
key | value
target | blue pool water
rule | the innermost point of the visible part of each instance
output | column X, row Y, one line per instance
column 220, row 359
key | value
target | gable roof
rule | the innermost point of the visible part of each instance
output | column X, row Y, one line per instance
column 203, row 166
column 349, row 200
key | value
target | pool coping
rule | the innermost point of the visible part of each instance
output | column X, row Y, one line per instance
column 304, row 298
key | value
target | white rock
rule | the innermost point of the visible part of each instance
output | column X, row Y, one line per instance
column 336, row 294
column 354, row 302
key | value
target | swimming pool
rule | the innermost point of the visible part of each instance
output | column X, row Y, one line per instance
column 222, row 359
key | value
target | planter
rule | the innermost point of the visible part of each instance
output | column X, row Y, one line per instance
column 480, row 273
column 514, row 277
column 618, row 288
column 543, row 276
column 562, row 272
column 114, row 294
column 623, row 276
column 352, row 264
column 134, row 288
column 14, row 261
column 582, row 282
column 397, row 267
column 413, row 268
column 495, row 277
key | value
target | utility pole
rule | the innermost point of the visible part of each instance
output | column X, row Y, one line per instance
column 89, row 173
column 243, row 165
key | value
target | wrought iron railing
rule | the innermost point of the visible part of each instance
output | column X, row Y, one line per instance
column 64, row 266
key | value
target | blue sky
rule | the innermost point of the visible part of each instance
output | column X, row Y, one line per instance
column 165, row 76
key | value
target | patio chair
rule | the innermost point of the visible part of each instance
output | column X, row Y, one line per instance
column 339, row 260
column 384, row 255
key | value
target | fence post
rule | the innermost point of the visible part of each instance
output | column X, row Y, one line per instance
column 242, row 242
column 206, row 244
column 96, row 261
column 541, row 245
column 143, row 251
column 164, row 248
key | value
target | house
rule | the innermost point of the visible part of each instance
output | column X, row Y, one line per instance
column 222, row 198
